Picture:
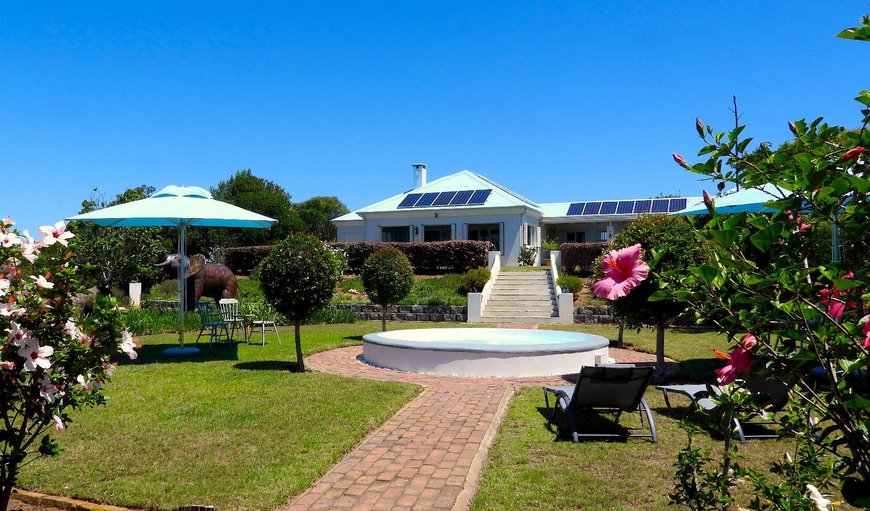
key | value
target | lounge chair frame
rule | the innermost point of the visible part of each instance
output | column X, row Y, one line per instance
column 590, row 395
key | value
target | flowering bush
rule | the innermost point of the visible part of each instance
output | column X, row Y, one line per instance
column 54, row 355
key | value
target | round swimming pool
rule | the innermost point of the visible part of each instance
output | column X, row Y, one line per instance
column 499, row 352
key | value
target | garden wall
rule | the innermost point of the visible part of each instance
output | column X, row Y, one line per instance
column 437, row 313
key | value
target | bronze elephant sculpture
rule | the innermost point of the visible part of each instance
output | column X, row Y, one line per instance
column 214, row 281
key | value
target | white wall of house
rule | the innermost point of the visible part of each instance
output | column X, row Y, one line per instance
column 351, row 231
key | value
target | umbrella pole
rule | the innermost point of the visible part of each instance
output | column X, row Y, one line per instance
column 182, row 284
column 836, row 256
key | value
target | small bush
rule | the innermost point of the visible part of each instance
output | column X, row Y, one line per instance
column 474, row 280
column 166, row 290
column 579, row 258
column 331, row 316
column 387, row 277
column 573, row 284
column 527, row 255
column 242, row 260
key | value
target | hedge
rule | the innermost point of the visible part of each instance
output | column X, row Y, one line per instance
column 242, row 260
column 579, row 258
column 432, row 258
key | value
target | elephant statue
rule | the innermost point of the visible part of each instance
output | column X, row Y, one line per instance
column 214, row 281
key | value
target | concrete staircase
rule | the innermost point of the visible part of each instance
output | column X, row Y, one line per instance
column 522, row 297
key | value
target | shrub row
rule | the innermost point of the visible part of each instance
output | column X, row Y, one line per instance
column 242, row 260
column 579, row 258
column 433, row 258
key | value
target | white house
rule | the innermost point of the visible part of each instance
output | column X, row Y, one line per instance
column 469, row 206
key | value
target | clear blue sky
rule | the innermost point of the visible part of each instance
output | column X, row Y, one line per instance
column 557, row 100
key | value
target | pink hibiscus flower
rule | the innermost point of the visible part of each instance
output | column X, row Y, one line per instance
column 831, row 298
column 623, row 270
column 738, row 361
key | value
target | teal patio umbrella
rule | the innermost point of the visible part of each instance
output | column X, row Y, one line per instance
column 753, row 200
column 181, row 207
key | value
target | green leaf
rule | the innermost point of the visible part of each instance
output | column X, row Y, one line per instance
column 766, row 237
column 724, row 238
column 706, row 273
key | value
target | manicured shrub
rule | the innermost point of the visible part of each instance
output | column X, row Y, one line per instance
column 573, row 284
column 387, row 277
column 579, row 258
column 298, row 278
column 473, row 280
column 433, row 258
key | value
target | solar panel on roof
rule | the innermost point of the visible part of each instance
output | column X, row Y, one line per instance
column 625, row 207
column 660, row 205
column 410, row 200
column 642, row 206
column 608, row 208
column 461, row 198
column 591, row 208
column 479, row 197
column 575, row 208
column 444, row 198
column 677, row 205
column 426, row 200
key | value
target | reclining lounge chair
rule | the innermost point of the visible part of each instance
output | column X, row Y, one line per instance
column 615, row 389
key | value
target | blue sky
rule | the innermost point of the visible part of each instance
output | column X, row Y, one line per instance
column 559, row 101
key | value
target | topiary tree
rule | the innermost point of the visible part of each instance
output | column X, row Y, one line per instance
column 299, row 277
column 55, row 355
column 677, row 246
column 387, row 278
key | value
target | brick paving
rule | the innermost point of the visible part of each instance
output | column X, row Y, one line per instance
column 431, row 453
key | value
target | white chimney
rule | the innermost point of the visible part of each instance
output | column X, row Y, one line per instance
column 419, row 175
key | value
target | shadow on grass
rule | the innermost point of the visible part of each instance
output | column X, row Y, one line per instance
column 587, row 423
column 698, row 370
column 268, row 365
column 153, row 353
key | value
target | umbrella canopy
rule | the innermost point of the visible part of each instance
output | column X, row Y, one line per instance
column 182, row 207
column 748, row 200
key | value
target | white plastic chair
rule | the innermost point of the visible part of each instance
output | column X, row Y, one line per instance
column 230, row 312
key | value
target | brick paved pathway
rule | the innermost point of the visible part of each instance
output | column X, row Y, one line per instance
column 431, row 453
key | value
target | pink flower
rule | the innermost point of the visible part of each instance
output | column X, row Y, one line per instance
column 58, row 423
column 749, row 341
column 16, row 334
column 7, row 366
column 623, row 270
column 831, row 299
column 801, row 227
column 680, row 160
column 739, row 362
column 699, row 127
column 35, row 355
column 853, row 153
column 8, row 310
column 866, row 331
column 793, row 129
column 87, row 385
column 7, row 222
column 56, row 234
column 47, row 390
column 9, row 239
column 110, row 369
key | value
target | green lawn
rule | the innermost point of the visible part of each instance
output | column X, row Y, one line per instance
column 427, row 290
column 529, row 469
column 231, row 428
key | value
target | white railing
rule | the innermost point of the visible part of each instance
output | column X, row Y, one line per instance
column 477, row 301
column 565, row 301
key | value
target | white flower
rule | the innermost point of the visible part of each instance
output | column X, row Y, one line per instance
column 7, row 310
column 58, row 423
column 87, row 385
column 822, row 504
column 29, row 248
column 4, row 286
column 56, row 234
column 128, row 345
column 42, row 282
column 47, row 390
column 110, row 369
column 7, row 221
column 9, row 239
column 17, row 335
column 35, row 355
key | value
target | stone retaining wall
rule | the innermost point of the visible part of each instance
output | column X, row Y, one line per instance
column 599, row 315
column 437, row 313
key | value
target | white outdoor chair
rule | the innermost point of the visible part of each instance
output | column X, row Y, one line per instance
column 230, row 312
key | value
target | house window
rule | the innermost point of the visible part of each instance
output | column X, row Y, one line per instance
column 575, row 237
column 486, row 232
column 436, row 233
column 401, row 233
column 603, row 235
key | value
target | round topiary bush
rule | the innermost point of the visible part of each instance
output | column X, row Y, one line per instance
column 298, row 277
column 473, row 280
column 387, row 278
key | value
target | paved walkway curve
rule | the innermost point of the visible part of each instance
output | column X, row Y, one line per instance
column 430, row 454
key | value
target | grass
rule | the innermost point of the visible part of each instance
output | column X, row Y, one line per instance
column 529, row 469
column 439, row 290
column 231, row 428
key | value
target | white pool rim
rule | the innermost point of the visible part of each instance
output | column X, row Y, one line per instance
column 484, row 352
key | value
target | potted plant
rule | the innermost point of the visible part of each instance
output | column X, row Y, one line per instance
column 549, row 245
